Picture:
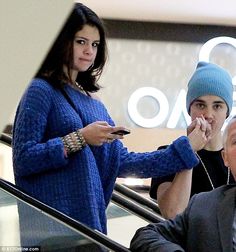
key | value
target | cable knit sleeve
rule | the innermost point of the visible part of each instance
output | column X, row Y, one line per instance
column 33, row 152
column 176, row 157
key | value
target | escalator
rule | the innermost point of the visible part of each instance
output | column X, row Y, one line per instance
column 126, row 212
column 147, row 203
column 135, row 215
column 29, row 225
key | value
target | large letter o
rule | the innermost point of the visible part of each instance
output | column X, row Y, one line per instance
column 206, row 49
column 158, row 96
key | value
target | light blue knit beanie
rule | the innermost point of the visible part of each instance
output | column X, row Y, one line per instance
column 210, row 79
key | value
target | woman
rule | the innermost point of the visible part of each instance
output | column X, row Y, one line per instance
column 65, row 152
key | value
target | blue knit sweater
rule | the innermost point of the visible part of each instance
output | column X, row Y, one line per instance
column 80, row 185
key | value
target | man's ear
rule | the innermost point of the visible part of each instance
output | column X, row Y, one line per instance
column 224, row 156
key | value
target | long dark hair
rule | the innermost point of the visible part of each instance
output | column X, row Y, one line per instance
column 61, row 52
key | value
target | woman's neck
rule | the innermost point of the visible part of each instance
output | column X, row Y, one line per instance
column 71, row 73
column 74, row 75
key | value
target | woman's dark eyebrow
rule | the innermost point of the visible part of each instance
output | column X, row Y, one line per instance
column 81, row 37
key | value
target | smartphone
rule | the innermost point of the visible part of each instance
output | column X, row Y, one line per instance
column 121, row 132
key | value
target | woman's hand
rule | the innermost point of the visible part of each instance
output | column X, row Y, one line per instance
column 100, row 132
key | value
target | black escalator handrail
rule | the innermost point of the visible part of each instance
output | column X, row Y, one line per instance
column 137, row 197
column 6, row 139
column 136, row 208
column 86, row 231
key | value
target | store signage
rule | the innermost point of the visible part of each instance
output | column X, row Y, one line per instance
column 179, row 108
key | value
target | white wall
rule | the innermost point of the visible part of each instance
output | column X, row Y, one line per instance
column 27, row 28
column 178, row 11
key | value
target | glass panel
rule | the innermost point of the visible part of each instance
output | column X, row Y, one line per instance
column 122, row 224
column 6, row 170
column 23, row 226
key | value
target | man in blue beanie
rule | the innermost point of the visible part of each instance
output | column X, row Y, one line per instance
column 209, row 96
column 210, row 79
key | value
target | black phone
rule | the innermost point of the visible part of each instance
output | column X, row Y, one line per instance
column 121, row 132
